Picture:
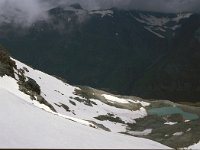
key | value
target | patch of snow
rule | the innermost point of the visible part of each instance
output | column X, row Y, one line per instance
column 157, row 34
column 154, row 23
column 178, row 133
column 160, row 29
column 170, row 123
column 189, row 129
column 77, row 11
column 144, row 104
column 103, row 13
column 141, row 133
column 175, row 27
column 187, row 121
column 181, row 16
column 194, row 146
column 152, row 20
column 160, row 21
column 114, row 99
column 69, row 19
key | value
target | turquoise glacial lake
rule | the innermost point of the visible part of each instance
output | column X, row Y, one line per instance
column 172, row 110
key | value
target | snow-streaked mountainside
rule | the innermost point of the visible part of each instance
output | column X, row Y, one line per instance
column 154, row 23
column 26, row 123
column 60, row 94
column 159, row 25
column 43, row 111
column 114, row 50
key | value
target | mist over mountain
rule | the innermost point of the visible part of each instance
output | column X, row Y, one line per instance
column 26, row 12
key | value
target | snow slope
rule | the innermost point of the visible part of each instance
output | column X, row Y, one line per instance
column 26, row 123
column 195, row 146
column 11, row 85
column 75, row 123
column 25, row 126
column 57, row 93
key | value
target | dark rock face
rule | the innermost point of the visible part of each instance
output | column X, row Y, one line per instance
column 6, row 64
column 31, row 88
column 32, row 85
column 113, row 52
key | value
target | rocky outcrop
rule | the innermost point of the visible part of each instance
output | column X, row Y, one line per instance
column 7, row 65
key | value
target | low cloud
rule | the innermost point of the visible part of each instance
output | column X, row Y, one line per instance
column 167, row 6
column 25, row 12
column 22, row 12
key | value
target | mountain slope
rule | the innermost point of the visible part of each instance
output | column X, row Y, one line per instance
column 115, row 50
column 29, row 123
column 101, row 112
column 26, row 126
column 176, row 75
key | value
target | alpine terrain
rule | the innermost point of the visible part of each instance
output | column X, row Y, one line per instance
column 43, row 111
column 129, row 52
column 115, row 78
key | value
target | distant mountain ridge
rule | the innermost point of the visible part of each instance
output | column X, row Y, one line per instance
column 146, row 54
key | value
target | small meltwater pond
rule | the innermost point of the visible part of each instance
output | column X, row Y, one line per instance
column 172, row 110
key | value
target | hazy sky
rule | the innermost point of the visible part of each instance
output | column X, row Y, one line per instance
column 27, row 11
